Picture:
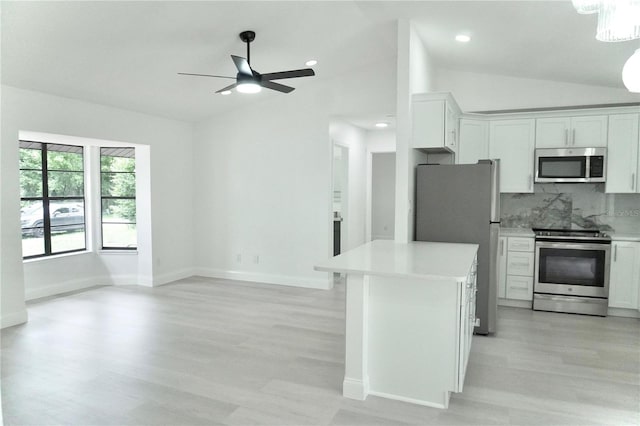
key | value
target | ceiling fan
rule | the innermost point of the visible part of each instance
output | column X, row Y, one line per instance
column 249, row 80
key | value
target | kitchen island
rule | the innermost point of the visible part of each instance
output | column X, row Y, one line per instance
column 410, row 312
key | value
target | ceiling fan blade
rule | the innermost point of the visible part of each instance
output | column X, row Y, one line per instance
column 276, row 86
column 231, row 86
column 206, row 75
column 242, row 64
column 305, row 72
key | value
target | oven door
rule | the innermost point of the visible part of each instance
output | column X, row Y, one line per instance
column 572, row 268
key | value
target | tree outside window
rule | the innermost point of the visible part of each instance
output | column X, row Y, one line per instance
column 52, row 213
column 118, row 198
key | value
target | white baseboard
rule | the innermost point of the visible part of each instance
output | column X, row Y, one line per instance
column 304, row 282
column 355, row 388
column 65, row 287
column 413, row 400
column 169, row 277
column 14, row 318
column 515, row 303
column 622, row 312
column 123, row 279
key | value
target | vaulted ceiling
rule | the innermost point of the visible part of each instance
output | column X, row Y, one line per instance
column 127, row 54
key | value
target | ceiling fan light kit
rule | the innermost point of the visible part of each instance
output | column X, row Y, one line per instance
column 249, row 80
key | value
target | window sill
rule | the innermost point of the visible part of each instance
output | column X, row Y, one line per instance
column 56, row 256
column 116, row 251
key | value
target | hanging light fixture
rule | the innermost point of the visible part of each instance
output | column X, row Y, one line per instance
column 586, row 7
column 631, row 73
column 618, row 20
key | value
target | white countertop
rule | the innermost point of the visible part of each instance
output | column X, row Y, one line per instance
column 416, row 259
column 516, row 232
column 624, row 236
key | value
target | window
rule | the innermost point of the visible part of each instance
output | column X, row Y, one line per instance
column 118, row 198
column 52, row 213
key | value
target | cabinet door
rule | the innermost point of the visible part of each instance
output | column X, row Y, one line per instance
column 622, row 154
column 474, row 141
column 520, row 288
column 624, row 278
column 512, row 141
column 502, row 267
column 589, row 131
column 552, row 132
column 428, row 123
column 520, row 263
column 451, row 126
column 521, row 244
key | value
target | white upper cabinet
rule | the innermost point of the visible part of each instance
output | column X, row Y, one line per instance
column 512, row 141
column 587, row 131
column 474, row 141
column 624, row 280
column 435, row 122
column 622, row 154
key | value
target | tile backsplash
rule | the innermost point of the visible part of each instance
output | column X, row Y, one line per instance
column 575, row 206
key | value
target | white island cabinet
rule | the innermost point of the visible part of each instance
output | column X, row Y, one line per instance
column 410, row 312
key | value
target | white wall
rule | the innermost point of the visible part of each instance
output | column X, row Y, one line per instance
column 171, row 194
column 487, row 92
column 415, row 75
column 263, row 179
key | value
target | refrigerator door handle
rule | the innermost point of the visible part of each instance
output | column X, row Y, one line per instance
column 495, row 190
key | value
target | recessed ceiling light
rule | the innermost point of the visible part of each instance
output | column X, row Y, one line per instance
column 226, row 93
column 382, row 125
column 463, row 38
column 311, row 62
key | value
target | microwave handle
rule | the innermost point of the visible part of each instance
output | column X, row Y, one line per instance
column 566, row 136
column 573, row 136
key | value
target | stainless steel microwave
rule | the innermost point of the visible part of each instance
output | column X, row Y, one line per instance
column 566, row 165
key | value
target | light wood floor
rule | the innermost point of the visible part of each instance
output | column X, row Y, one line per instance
column 207, row 352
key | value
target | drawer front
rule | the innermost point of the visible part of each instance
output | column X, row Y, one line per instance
column 520, row 263
column 520, row 244
column 520, row 288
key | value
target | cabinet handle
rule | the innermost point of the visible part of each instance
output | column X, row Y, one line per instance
column 566, row 136
column 502, row 248
column 573, row 137
column 633, row 181
column 615, row 253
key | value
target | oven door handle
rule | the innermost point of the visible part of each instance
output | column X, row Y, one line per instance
column 573, row 245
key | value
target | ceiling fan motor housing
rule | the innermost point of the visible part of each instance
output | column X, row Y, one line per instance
column 247, row 36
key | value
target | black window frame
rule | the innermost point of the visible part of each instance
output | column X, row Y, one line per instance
column 111, row 197
column 47, row 200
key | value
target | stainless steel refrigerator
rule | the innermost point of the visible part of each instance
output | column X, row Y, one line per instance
column 461, row 204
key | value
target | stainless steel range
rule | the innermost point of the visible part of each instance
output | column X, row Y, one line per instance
column 572, row 271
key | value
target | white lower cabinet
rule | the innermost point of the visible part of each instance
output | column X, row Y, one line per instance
column 515, row 268
column 624, row 279
column 519, row 287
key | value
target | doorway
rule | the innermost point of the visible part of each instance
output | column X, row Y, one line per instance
column 383, row 193
column 340, row 201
